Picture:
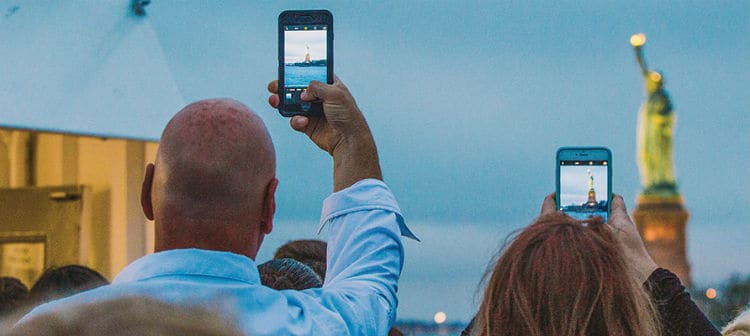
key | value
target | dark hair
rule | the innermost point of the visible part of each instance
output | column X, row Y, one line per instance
column 561, row 276
column 13, row 295
column 59, row 282
column 311, row 252
column 286, row 273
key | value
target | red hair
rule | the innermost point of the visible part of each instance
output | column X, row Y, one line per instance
column 561, row 276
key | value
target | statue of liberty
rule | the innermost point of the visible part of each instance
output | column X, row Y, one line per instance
column 592, row 193
column 654, row 135
column 307, row 53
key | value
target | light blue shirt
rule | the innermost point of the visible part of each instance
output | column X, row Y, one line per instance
column 358, row 297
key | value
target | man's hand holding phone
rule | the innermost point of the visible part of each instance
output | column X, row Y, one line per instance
column 342, row 131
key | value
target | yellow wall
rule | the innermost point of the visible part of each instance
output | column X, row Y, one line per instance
column 13, row 159
column 111, row 169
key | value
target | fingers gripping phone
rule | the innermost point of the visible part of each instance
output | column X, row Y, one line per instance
column 305, row 54
column 584, row 181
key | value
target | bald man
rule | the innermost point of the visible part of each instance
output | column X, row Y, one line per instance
column 211, row 195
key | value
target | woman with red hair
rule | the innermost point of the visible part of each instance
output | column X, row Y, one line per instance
column 562, row 276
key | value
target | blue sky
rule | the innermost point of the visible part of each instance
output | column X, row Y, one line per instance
column 468, row 102
column 297, row 41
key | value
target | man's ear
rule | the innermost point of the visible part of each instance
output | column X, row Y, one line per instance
column 269, row 206
column 148, row 180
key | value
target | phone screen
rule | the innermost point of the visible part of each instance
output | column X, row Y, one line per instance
column 584, row 188
column 305, row 58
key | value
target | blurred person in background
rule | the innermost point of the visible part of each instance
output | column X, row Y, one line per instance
column 311, row 252
column 60, row 282
column 287, row 273
column 13, row 298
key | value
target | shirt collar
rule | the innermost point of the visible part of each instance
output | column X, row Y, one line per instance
column 191, row 262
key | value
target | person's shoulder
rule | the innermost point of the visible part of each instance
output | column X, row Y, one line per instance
column 60, row 304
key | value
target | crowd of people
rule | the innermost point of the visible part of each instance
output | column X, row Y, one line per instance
column 211, row 194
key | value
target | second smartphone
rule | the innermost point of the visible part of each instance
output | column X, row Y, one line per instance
column 584, row 181
column 305, row 54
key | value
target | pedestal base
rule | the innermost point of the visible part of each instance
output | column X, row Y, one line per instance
column 661, row 222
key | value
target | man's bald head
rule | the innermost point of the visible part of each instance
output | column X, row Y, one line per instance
column 215, row 162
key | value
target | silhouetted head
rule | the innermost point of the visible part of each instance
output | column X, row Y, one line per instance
column 286, row 273
column 127, row 316
column 60, row 282
column 311, row 252
column 561, row 276
column 13, row 295
column 213, row 183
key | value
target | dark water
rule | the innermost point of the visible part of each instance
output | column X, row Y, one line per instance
column 583, row 211
column 297, row 76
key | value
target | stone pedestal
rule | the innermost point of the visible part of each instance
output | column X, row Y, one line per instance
column 662, row 221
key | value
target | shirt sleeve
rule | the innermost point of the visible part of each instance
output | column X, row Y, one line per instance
column 365, row 256
column 677, row 312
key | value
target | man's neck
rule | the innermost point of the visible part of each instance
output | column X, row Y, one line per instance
column 218, row 237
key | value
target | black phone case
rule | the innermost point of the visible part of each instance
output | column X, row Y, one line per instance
column 294, row 17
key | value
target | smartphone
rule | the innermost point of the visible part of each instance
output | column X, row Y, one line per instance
column 305, row 54
column 584, row 181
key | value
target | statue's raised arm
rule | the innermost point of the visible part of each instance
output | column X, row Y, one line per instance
column 654, row 135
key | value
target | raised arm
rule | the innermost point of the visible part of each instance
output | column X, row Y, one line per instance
column 365, row 251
